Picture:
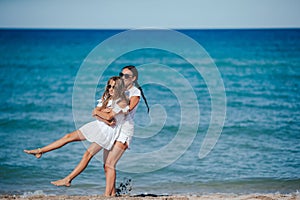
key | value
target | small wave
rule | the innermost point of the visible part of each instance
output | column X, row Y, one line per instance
column 31, row 194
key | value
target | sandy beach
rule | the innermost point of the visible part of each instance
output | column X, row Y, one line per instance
column 149, row 197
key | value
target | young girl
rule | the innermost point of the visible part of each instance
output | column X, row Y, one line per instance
column 102, row 133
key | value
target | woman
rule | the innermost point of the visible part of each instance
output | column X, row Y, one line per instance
column 130, row 76
column 100, row 133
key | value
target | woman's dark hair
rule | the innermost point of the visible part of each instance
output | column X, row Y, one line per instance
column 136, row 74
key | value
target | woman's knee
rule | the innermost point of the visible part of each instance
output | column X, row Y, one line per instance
column 108, row 166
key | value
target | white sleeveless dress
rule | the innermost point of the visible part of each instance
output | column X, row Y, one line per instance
column 101, row 133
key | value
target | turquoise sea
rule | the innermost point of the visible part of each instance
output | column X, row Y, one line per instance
column 258, row 150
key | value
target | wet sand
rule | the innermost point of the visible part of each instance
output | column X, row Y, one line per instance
column 151, row 197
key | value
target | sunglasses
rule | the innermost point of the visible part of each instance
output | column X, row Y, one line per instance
column 126, row 76
column 110, row 86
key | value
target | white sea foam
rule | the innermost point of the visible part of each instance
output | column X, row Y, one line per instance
column 35, row 193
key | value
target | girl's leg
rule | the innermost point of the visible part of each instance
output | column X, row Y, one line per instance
column 109, row 167
column 87, row 156
column 71, row 137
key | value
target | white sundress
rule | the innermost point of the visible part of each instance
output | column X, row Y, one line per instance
column 101, row 133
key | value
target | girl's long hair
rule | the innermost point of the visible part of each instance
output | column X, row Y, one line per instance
column 119, row 91
column 136, row 74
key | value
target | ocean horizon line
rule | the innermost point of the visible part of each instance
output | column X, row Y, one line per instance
column 154, row 28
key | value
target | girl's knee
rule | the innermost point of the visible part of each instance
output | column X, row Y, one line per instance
column 68, row 136
column 88, row 155
column 74, row 136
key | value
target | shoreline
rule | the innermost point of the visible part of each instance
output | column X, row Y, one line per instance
column 215, row 196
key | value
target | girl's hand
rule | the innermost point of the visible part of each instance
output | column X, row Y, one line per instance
column 112, row 122
column 94, row 113
column 109, row 123
column 107, row 110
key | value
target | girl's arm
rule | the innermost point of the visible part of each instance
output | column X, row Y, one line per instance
column 104, row 115
column 105, row 110
column 97, row 109
column 109, row 123
column 109, row 115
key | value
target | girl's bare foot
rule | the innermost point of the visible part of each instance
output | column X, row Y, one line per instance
column 36, row 152
column 62, row 182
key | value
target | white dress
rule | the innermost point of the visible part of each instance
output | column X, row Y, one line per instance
column 101, row 133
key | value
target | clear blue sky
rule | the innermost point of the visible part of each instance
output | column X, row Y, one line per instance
column 98, row 14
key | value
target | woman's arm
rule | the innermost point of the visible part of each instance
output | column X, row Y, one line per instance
column 133, row 102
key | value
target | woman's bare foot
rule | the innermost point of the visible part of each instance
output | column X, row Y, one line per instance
column 62, row 182
column 107, row 195
column 36, row 152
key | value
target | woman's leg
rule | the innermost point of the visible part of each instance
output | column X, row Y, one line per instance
column 70, row 137
column 87, row 156
column 109, row 167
